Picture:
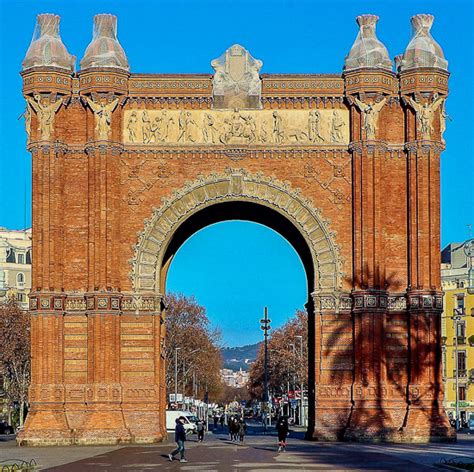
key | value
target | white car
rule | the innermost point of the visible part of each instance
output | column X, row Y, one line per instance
column 173, row 415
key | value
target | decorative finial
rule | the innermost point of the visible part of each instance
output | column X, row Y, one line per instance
column 105, row 49
column 423, row 50
column 47, row 48
column 367, row 51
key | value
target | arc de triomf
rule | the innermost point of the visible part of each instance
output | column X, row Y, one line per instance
column 127, row 166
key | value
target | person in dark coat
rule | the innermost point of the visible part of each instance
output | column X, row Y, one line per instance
column 282, row 429
column 180, row 438
column 242, row 429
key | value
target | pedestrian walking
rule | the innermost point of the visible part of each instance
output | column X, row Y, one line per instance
column 222, row 420
column 201, row 428
column 231, row 427
column 242, row 430
column 216, row 421
column 282, row 429
column 180, row 438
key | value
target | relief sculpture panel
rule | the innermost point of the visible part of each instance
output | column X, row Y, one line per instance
column 268, row 127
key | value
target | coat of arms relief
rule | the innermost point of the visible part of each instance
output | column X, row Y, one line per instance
column 236, row 82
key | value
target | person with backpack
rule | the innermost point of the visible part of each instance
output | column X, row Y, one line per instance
column 180, row 438
column 282, row 429
column 201, row 428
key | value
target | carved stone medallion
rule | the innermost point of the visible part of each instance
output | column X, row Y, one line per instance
column 236, row 82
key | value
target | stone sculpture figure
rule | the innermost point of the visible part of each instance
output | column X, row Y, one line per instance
column 209, row 130
column 278, row 133
column 45, row 114
column 336, row 128
column 236, row 124
column 185, row 122
column 27, row 116
column 263, row 132
column 250, row 128
column 156, row 129
column 146, row 127
column 370, row 112
column 167, row 121
column 103, row 116
column 226, row 131
column 425, row 115
column 442, row 119
column 314, row 127
column 132, row 126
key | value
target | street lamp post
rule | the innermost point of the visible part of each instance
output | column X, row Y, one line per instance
column 293, row 349
column 265, row 327
column 302, row 408
column 456, row 318
column 176, row 349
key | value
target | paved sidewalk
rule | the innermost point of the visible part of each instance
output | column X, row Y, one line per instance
column 258, row 453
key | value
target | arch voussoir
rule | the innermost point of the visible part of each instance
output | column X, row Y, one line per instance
column 235, row 185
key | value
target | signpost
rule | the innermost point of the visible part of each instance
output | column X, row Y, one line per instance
column 265, row 327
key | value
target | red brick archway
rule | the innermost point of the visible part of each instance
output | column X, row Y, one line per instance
column 122, row 161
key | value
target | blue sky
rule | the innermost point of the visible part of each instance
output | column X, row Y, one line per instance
column 289, row 36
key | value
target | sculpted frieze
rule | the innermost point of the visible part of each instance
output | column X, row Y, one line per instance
column 269, row 127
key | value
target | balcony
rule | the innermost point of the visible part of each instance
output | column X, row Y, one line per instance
column 462, row 373
column 460, row 339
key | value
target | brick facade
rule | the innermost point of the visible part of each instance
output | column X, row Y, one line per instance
column 107, row 212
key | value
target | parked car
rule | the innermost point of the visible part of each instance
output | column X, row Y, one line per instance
column 5, row 428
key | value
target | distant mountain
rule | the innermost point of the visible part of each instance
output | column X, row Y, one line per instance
column 239, row 357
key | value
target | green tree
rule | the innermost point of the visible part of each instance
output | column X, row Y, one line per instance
column 15, row 364
column 287, row 366
column 188, row 329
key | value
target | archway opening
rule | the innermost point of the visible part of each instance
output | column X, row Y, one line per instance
column 249, row 221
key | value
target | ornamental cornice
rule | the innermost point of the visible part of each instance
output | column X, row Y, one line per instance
column 303, row 101
column 238, row 152
column 359, row 300
column 302, row 84
column 46, row 147
column 424, row 79
column 370, row 147
column 103, row 147
column 425, row 147
column 431, row 302
column 202, row 102
column 94, row 302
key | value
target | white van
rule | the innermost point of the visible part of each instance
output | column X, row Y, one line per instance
column 173, row 415
column 470, row 423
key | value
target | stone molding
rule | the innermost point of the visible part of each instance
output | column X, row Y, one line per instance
column 90, row 302
column 420, row 300
column 234, row 185
column 370, row 300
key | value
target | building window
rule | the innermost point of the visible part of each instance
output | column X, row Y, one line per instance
column 20, row 297
column 461, row 364
column 461, row 329
column 10, row 255
column 445, row 373
column 20, row 280
column 28, row 257
column 460, row 303
column 462, row 393
column 21, row 258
